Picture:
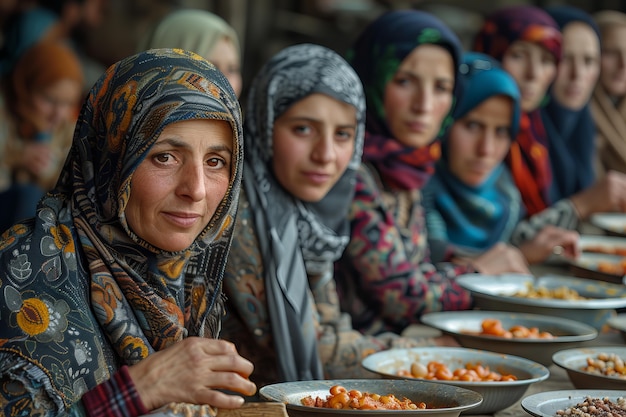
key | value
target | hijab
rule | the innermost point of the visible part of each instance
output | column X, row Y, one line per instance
column 528, row 158
column 571, row 133
column 474, row 217
column 191, row 29
column 24, row 30
column 41, row 66
column 376, row 56
column 609, row 112
column 83, row 294
column 297, row 238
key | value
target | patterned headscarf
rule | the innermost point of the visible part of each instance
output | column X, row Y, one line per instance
column 191, row 29
column 376, row 56
column 77, row 279
column 528, row 157
column 474, row 218
column 571, row 133
column 297, row 238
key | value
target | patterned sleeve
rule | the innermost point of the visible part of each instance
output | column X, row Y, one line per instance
column 26, row 390
column 341, row 347
column 387, row 280
column 561, row 214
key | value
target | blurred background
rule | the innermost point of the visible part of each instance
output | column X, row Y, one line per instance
column 266, row 26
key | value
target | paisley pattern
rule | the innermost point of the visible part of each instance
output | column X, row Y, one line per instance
column 81, row 293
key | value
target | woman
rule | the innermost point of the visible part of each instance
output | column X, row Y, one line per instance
column 566, row 116
column 112, row 292
column 471, row 201
column 204, row 33
column 608, row 105
column 38, row 109
column 406, row 60
column 527, row 42
column 304, row 139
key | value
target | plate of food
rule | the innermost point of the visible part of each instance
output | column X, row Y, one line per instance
column 501, row 379
column 585, row 300
column 598, row 367
column 573, row 402
column 531, row 336
column 613, row 224
column 602, row 257
column 356, row 397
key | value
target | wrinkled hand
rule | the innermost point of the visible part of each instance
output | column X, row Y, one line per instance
column 605, row 195
column 37, row 158
column 550, row 237
column 191, row 371
column 501, row 258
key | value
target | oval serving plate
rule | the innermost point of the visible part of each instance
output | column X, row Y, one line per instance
column 443, row 400
column 497, row 292
column 546, row 404
column 612, row 223
column 465, row 327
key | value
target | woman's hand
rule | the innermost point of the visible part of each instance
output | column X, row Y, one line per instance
column 501, row 258
column 37, row 158
column 605, row 195
column 544, row 243
column 192, row 371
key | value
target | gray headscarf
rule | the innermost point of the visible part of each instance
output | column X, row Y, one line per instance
column 297, row 238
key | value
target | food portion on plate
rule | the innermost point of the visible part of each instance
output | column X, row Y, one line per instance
column 593, row 403
column 339, row 398
column 593, row 301
column 594, row 367
column 440, row 400
column 602, row 258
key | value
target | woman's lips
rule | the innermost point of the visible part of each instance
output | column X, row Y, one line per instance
column 183, row 219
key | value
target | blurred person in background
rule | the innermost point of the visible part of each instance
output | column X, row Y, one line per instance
column 566, row 115
column 204, row 33
column 38, row 111
column 608, row 105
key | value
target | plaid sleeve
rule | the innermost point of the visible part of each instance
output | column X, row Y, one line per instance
column 116, row 397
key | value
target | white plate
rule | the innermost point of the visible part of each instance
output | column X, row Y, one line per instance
column 496, row 292
column 573, row 360
column 503, row 287
column 610, row 243
column 546, row 404
column 610, row 222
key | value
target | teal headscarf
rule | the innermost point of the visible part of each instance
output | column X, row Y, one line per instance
column 474, row 218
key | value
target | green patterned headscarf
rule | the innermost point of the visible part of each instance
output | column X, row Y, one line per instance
column 81, row 293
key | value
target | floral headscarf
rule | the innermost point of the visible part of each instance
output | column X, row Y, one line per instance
column 528, row 157
column 376, row 56
column 82, row 294
column 297, row 238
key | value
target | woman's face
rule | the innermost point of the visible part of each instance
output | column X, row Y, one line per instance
column 478, row 142
column 419, row 96
column 56, row 104
column 178, row 186
column 225, row 57
column 613, row 61
column 313, row 142
column 533, row 67
column 579, row 68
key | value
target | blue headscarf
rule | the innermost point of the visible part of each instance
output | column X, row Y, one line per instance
column 570, row 133
column 474, row 218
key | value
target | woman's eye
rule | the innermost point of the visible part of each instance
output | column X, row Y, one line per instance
column 163, row 158
column 302, row 129
column 345, row 135
column 216, row 163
